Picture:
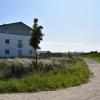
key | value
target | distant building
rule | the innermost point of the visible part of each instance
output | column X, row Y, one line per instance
column 44, row 54
column 14, row 40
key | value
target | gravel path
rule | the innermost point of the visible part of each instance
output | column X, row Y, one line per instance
column 89, row 91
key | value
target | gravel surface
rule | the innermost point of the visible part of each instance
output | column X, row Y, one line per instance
column 88, row 91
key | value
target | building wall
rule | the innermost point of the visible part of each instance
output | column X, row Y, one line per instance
column 13, row 45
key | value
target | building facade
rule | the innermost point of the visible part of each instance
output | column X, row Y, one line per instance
column 14, row 40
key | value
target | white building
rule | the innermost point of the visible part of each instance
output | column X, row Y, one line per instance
column 14, row 40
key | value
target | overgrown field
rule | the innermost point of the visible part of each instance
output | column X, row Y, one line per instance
column 53, row 73
column 94, row 56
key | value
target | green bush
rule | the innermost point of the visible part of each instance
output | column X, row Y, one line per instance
column 76, row 74
column 18, row 67
column 11, row 69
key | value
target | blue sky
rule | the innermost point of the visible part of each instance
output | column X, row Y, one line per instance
column 69, row 25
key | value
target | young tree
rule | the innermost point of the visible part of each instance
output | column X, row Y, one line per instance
column 36, row 38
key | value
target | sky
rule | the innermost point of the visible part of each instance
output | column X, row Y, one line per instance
column 69, row 25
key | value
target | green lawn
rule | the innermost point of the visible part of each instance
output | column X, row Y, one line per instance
column 76, row 75
column 94, row 56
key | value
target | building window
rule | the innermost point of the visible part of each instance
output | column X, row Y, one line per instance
column 30, row 52
column 7, row 51
column 7, row 41
column 19, row 43
column 19, row 52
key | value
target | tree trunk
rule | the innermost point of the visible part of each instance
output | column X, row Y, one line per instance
column 36, row 61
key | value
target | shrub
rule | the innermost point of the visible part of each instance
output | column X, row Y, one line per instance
column 76, row 75
column 10, row 68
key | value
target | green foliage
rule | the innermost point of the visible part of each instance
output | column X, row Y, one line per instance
column 36, row 38
column 12, row 69
column 77, row 74
column 36, row 35
column 94, row 56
